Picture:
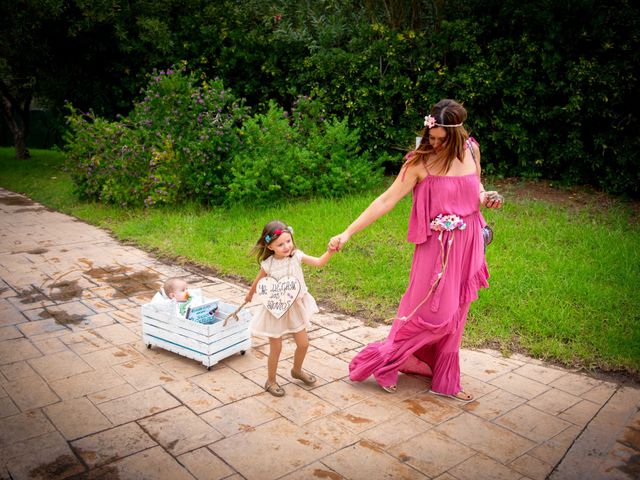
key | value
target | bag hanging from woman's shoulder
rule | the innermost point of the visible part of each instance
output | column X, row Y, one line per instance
column 487, row 235
column 487, row 231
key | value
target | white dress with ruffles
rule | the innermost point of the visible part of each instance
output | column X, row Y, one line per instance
column 298, row 317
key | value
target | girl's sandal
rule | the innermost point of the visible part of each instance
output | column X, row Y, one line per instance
column 274, row 389
column 461, row 396
column 390, row 388
column 307, row 378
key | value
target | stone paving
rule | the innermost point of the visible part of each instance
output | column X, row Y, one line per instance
column 82, row 397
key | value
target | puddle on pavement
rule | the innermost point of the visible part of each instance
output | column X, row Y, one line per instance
column 65, row 290
column 17, row 201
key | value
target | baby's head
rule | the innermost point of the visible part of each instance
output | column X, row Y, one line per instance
column 176, row 288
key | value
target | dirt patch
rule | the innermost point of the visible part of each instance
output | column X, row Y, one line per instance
column 575, row 198
column 34, row 209
column 16, row 201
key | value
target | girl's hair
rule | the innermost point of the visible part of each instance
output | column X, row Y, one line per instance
column 445, row 112
column 270, row 233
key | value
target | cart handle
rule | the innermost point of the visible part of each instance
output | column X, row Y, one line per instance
column 234, row 314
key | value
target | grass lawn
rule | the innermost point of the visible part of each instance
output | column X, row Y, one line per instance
column 564, row 265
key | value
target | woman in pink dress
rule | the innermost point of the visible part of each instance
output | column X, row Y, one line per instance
column 448, row 265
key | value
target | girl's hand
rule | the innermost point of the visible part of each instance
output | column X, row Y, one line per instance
column 491, row 199
column 339, row 241
column 248, row 297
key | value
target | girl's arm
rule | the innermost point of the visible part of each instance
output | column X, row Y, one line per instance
column 403, row 184
column 317, row 261
column 252, row 290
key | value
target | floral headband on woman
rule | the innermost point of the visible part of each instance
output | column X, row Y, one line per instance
column 269, row 237
column 430, row 122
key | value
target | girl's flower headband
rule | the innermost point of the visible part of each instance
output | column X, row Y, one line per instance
column 268, row 238
column 430, row 122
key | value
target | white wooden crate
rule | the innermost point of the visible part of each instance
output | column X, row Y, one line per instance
column 161, row 327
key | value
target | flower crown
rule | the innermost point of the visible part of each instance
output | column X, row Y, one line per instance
column 269, row 237
column 430, row 122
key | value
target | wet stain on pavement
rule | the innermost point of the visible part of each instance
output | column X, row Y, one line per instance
column 127, row 284
column 632, row 467
column 354, row 419
column 61, row 467
column 107, row 472
column 32, row 295
column 631, row 438
column 64, row 318
column 65, row 291
column 171, row 445
column 376, row 447
column 415, row 407
column 16, row 201
column 319, row 473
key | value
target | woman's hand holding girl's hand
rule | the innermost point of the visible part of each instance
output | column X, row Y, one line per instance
column 339, row 241
column 491, row 199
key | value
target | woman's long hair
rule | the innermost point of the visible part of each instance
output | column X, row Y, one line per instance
column 446, row 112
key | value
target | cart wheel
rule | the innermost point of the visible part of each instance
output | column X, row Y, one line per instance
column 242, row 352
column 148, row 345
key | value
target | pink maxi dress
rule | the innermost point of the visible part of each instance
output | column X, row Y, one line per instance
column 432, row 334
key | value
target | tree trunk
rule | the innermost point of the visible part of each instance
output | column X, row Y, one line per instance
column 16, row 113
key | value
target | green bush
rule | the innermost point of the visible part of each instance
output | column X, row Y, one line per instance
column 299, row 155
column 174, row 145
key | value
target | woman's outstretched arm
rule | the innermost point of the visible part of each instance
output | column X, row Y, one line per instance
column 402, row 185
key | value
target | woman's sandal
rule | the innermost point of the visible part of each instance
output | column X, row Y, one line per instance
column 461, row 396
column 390, row 388
column 307, row 378
column 274, row 389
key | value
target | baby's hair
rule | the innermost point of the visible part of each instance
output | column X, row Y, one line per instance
column 270, row 232
column 171, row 284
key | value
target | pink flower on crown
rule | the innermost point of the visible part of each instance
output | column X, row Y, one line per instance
column 429, row 121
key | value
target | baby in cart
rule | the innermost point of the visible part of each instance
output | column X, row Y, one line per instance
column 190, row 305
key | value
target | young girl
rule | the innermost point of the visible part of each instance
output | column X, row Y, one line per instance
column 279, row 257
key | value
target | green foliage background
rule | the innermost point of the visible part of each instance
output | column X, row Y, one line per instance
column 550, row 86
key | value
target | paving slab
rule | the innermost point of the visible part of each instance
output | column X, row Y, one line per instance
column 81, row 396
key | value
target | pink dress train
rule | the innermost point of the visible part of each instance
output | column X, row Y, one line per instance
column 432, row 333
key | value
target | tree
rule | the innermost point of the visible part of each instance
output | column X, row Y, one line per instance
column 24, row 56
